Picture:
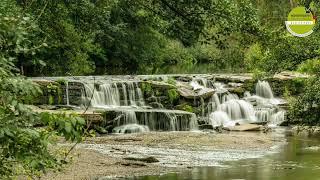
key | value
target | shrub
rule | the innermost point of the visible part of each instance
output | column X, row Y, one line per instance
column 305, row 109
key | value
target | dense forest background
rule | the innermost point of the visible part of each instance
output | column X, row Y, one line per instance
column 82, row 37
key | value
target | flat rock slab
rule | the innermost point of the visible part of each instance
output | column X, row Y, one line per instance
column 245, row 127
column 190, row 94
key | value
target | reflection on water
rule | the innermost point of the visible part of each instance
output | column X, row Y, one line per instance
column 299, row 159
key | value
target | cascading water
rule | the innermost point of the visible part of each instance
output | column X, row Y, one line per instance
column 263, row 89
column 127, row 99
column 238, row 110
column 223, row 108
column 258, row 108
column 67, row 93
column 220, row 118
column 109, row 95
column 163, row 120
column 213, row 102
column 131, row 128
column 277, row 119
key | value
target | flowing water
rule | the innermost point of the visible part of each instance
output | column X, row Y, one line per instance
column 299, row 159
column 123, row 95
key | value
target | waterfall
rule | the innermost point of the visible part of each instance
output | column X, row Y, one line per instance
column 165, row 120
column 220, row 118
column 67, row 93
column 277, row 119
column 124, row 92
column 203, row 82
column 196, row 86
column 264, row 114
column 131, row 128
column 247, row 94
column 263, row 89
column 109, row 95
column 221, row 109
column 238, row 110
column 228, row 97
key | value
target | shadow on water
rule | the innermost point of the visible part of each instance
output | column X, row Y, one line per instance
column 298, row 159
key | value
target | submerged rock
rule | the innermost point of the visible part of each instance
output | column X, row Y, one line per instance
column 205, row 126
column 145, row 159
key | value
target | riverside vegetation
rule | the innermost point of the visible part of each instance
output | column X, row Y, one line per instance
column 85, row 37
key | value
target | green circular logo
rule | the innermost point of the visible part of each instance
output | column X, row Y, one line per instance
column 300, row 22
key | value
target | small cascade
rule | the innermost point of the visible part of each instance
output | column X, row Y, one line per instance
column 247, row 94
column 220, row 118
column 163, row 120
column 263, row 89
column 131, row 128
column 238, row 110
column 67, row 93
column 227, row 97
column 125, row 95
column 115, row 94
column 277, row 118
column 213, row 103
column 203, row 82
column 196, row 86
column 264, row 114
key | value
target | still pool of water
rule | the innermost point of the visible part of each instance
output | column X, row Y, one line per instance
column 299, row 159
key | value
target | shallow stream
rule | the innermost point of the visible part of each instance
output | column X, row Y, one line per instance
column 298, row 159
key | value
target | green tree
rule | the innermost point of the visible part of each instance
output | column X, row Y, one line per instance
column 24, row 148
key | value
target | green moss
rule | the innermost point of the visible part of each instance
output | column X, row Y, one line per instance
column 239, row 91
column 146, row 87
column 173, row 95
column 188, row 108
column 171, row 81
column 62, row 81
column 54, row 93
column 50, row 100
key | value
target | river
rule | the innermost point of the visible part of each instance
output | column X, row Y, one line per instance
column 298, row 159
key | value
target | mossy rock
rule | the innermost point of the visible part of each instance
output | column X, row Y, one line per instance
column 238, row 91
column 185, row 107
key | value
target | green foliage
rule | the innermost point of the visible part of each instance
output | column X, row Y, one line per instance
column 305, row 109
column 173, row 95
column 62, row 81
column 254, row 57
column 69, row 126
column 186, row 107
column 23, row 148
column 311, row 66
column 146, row 88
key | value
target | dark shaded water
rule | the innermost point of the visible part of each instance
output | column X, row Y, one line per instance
column 299, row 159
